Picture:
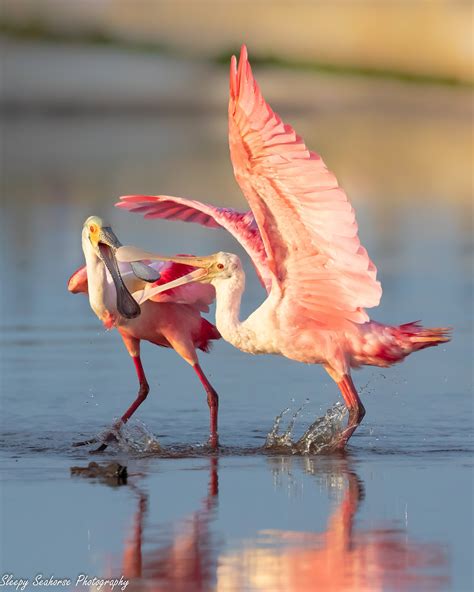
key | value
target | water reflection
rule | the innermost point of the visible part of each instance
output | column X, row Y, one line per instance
column 344, row 556
column 188, row 561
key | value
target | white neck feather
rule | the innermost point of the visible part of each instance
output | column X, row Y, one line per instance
column 100, row 298
column 228, row 298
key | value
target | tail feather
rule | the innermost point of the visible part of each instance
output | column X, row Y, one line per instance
column 421, row 337
column 382, row 345
column 78, row 281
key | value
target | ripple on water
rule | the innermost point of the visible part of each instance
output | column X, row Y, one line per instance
column 136, row 439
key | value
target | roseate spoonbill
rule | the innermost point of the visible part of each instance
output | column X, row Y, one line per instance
column 170, row 318
column 302, row 237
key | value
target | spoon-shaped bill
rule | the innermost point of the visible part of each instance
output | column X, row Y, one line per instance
column 126, row 305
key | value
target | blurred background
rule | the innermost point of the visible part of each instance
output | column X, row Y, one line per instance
column 386, row 87
column 425, row 38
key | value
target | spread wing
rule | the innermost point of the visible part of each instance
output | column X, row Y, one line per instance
column 241, row 225
column 307, row 224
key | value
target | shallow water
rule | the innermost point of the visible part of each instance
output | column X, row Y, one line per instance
column 393, row 513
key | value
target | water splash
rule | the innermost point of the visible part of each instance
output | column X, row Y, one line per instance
column 274, row 438
column 134, row 436
column 322, row 435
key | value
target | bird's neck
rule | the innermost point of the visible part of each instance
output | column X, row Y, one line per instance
column 99, row 288
column 228, row 298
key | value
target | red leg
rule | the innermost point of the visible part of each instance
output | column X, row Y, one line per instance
column 354, row 406
column 212, row 401
column 142, row 391
column 133, row 347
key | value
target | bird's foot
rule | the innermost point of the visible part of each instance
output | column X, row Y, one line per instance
column 105, row 440
column 85, row 442
column 340, row 445
column 100, row 449
column 356, row 415
column 213, row 441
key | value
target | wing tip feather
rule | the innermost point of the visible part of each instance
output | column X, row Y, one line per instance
column 129, row 201
column 237, row 71
column 233, row 77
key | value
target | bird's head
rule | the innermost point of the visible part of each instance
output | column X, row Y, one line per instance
column 102, row 241
column 100, row 236
column 220, row 266
column 210, row 269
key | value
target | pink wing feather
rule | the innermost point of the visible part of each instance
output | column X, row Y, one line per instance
column 198, row 295
column 241, row 225
column 307, row 224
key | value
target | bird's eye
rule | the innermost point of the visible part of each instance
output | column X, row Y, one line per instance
column 92, row 228
column 220, row 266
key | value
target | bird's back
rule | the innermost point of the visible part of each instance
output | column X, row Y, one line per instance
column 169, row 324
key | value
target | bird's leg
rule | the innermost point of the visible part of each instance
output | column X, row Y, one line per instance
column 183, row 345
column 133, row 347
column 143, row 391
column 354, row 406
column 212, row 401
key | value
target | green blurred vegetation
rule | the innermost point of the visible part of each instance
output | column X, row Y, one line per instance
column 337, row 69
column 39, row 31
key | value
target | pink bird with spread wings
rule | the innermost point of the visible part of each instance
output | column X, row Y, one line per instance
column 302, row 237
